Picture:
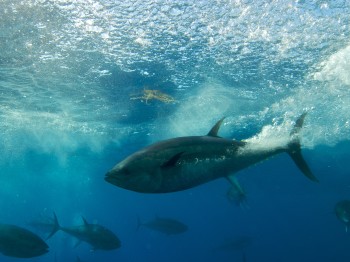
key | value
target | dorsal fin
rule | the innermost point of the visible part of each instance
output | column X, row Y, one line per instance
column 85, row 222
column 172, row 161
column 215, row 129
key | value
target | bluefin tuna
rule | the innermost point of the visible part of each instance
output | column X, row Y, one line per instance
column 168, row 226
column 20, row 242
column 185, row 162
column 235, row 244
column 97, row 236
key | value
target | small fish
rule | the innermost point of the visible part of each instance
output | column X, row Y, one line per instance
column 19, row 242
column 167, row 226
column 235, row 244
column 97, row 236
column 152, row 94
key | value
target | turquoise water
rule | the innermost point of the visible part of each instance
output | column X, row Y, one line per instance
column 74, row 100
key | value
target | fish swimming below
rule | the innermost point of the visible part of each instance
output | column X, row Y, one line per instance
column 185, row 162
column 97, row 236
column 43, row 225
column 235, row 244
column 342, row 211
column 21, row 243
column 167, row 226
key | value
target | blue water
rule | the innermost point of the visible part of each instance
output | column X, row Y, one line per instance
column 72, row 80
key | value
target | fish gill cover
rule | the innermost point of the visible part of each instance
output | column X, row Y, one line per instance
column 69, row 73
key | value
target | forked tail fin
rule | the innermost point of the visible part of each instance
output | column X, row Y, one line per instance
column 294, row 149
column 56, row 226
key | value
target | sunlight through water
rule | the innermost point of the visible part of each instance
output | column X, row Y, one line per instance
column 62, row 61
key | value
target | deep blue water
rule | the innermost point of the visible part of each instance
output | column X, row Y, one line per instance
column 74, row 77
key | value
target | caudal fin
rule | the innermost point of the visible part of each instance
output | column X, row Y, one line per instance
column 294, row 149
column 56, row 226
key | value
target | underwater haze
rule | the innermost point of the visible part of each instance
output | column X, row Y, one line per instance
column 85, row 83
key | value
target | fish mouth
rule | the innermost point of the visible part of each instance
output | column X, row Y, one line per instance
column 128, row 183
column 113, row 179
column 117, row 180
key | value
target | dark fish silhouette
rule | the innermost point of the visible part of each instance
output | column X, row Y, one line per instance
column 19, row 242
column 166, row 226
column 185, row 162
column 235, row 244
column 97, row 236
column 342, row 211
column 43, row 224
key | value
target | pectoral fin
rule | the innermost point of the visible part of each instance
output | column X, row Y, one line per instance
column 172, row 161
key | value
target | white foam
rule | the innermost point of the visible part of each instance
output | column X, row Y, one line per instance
column 197, row 113
column 325, row 95
column 335, row 70
column 270, row 138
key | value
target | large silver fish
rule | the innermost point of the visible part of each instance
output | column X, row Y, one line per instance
column 185, row 162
